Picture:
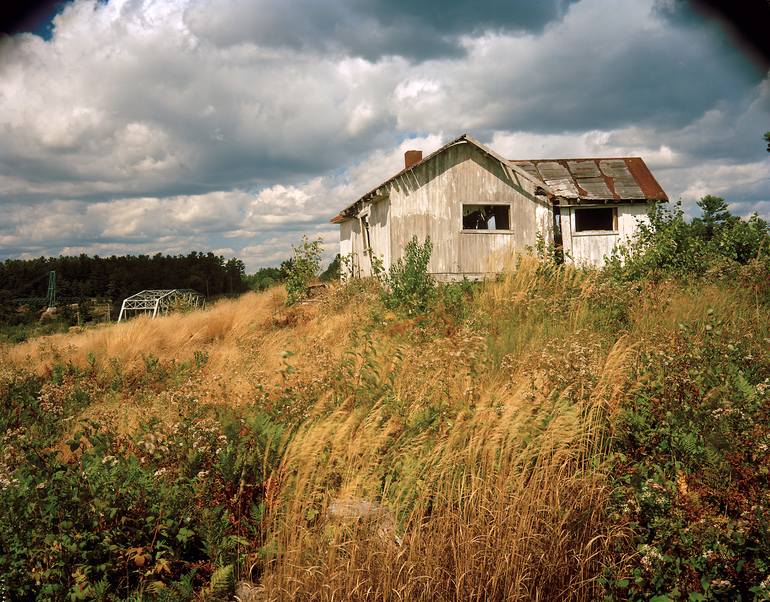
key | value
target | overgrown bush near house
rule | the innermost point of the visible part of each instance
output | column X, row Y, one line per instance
column 663, row 247
column 455, row 298
column 668, row 246
column 303, row 267
column 408, row 287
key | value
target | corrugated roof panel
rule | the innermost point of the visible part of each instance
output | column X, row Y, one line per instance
column 557, row 178
column 596, row 188
column 644, row 178
column 626, row 186
column 530, row 168
column 613, row 167
column 624, row 178
column 584, row 169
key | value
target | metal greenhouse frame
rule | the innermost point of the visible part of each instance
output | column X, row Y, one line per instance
column 159, row 302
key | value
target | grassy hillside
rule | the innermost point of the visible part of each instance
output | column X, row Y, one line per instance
column 558, row 433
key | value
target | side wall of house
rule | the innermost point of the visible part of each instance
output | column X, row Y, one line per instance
column 346, row 242
column 353, row 243
column 427, row 202
column 591, row 248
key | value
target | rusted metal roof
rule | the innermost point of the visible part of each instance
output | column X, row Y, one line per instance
column 626, row 179
column 597, row 179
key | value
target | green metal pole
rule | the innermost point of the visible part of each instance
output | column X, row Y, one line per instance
column 52, row 289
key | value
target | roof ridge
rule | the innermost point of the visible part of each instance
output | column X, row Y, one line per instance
column 462, row 138
column 580, row 158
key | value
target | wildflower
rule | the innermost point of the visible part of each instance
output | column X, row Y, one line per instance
column 650, row 557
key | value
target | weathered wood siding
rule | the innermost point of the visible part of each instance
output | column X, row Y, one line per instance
column 346, row 242
column 427, row 202
column 590, row 248
column 379, row 230
column 352, row 242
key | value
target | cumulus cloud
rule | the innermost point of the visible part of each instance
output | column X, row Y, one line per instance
column 170, row 125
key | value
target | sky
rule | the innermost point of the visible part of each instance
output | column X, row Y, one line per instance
column 237, row 126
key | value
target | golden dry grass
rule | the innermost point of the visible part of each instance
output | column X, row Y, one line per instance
column 480, row 448
column 490, row 482
column 245, row 335
column 244, row 342
column 490, row 471
column 175, row 336
column 484, row 445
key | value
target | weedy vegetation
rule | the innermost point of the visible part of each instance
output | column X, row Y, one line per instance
column 556, row 433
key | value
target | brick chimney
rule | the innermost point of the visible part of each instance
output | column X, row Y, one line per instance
column 412, row 157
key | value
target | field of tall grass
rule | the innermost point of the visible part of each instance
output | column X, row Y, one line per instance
column 552, row 434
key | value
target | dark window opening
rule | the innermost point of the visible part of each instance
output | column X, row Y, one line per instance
column 558, row 239
column 595, row 218
column 486, row 217
column 367, row 239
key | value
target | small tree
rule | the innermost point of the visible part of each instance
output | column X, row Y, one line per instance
column 408, row 285
column 302, row 268
column 715, row 216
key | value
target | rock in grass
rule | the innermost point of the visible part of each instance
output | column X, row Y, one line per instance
column 375, row 516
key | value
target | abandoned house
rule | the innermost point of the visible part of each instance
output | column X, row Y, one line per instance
column 472, row 204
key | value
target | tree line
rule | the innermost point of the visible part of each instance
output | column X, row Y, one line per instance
column 116, row 277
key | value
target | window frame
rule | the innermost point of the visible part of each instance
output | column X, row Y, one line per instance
column 487, row 230
column 573, row 222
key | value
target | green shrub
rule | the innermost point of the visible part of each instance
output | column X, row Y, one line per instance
column 455, row 298
column 691, row 453
column 146, row 515
column 668, row 246
column 302, row 268
column 663, row 247
column 408, row 286
column 264, row 278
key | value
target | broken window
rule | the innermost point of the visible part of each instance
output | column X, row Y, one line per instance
column 486, row 217
column 589, row 219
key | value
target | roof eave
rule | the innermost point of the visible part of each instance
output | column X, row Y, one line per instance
column 562, row 201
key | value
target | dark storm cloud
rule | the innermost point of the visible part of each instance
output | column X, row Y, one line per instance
column 598, row 69
column 745, row 23
column 370, row 29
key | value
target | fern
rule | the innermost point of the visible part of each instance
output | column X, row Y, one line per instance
column 689, row 446
column 222, row 586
